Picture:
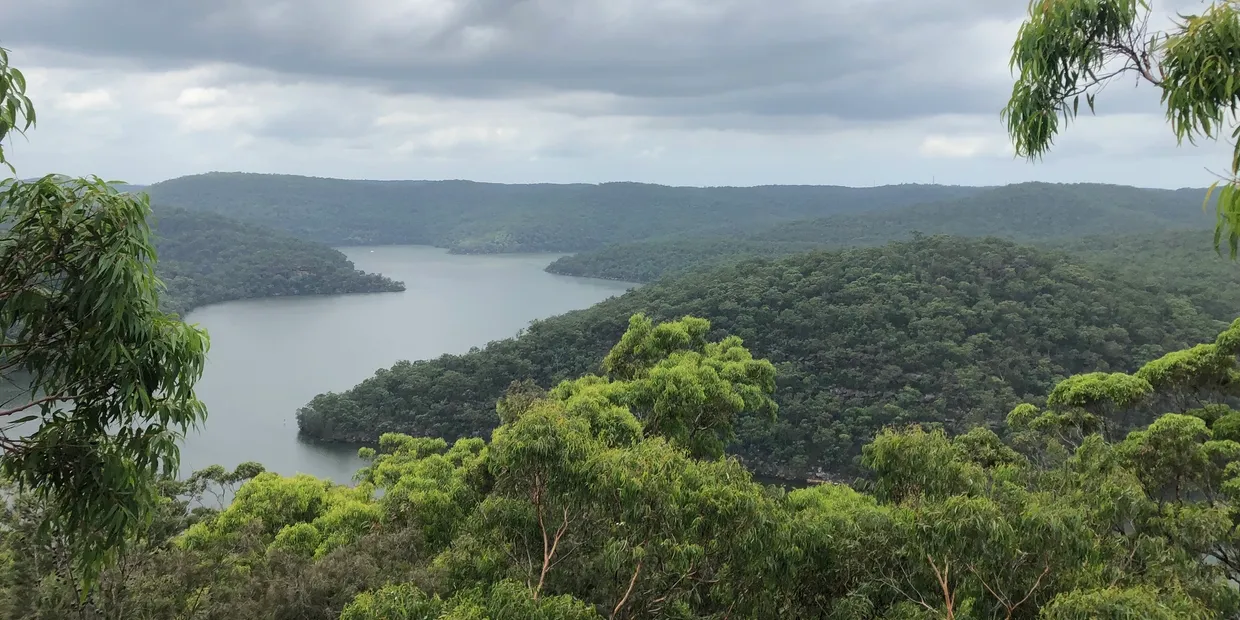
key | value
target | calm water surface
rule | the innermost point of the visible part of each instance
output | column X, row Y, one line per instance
column 270, row 356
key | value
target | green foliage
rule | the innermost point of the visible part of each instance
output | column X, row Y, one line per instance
column 943, row 331
column 1123, row 604
column 1069, row 48
column 397, row 602
column 569, row 512
column 648, row 525
column 16, row 110
column 427, row 485
column 40, row 577
column 643, row 345
column 1202, row 367
column 1227, row 427
column 507, row 600
column 471, row 217
column 205, row 259
column 899, row 458
column 1099, row 389
column 300, row 539
column 292, row 513
column 647, row 261
column 687, row 389
column 1168, row 262
column 1061, row 52
column 1172, row 454
column 110, row 376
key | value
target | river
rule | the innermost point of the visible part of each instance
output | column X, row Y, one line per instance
column 270, row 356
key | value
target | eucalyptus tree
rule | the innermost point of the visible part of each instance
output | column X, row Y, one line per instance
column 108, row 378
column 614, row 489
column 1068, row 50
column 685, row 388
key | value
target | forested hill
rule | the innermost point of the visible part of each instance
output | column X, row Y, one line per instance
column 466, row 216
column 1023, row 212
column 205, row 258
column 1176, row 261
column 938, row 329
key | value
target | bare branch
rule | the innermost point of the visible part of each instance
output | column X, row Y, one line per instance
column 549, row 553
column 1136, row 57
column 624, row 599
column 1037, row 582
column 40, row 401
column 942, row 577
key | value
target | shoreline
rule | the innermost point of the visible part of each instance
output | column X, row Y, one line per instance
column 191, row 309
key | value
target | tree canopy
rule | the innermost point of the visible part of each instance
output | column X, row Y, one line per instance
column 1166, row 262
column 582, row 507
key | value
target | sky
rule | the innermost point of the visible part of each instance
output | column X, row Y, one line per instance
column 678, row 92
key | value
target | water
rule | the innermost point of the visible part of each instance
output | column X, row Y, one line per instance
column 270, row 356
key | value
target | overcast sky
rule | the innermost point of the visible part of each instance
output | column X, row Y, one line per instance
column 684, row 92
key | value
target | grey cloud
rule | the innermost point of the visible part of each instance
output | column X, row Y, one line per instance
column 854, row 59
column 856, row 98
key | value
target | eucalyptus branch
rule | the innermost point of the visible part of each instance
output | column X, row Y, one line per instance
column 632, row 582
column 1140, row 60
column 37, row 402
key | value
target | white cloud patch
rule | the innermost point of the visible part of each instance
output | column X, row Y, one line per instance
column 195, row 96
column 97, row 99
column 957, row 146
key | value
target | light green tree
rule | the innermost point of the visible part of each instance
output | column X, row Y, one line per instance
column 612, row 488
column 507, row 600
column 972, row 529
column 1068, row 50
column 683, row 387
column 109, row 376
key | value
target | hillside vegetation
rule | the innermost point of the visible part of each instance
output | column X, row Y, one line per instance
column 205, row 258
column 1023, row 212
column 936, row 330
column 465, row 216
column 606, row 498
column 647, row 261
column 1176, row 261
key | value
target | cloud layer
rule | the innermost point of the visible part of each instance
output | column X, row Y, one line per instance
column 708, row 92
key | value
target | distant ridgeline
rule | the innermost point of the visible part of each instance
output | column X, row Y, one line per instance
column 1026, row 212
column 465, row 216
column 205, row 258
column 938, row 330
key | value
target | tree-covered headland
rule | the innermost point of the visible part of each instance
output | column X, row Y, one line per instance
column 206, row 258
